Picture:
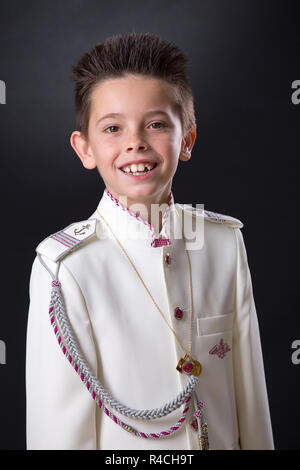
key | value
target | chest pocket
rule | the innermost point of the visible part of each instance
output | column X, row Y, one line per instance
column 215, row 324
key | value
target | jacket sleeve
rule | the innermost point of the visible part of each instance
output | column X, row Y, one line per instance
column 255, row 428
column 60, row 412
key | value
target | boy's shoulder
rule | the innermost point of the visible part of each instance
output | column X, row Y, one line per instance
column 211, row 216
column 60, row 243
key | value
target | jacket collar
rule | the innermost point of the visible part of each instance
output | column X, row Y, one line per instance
column 127, row 225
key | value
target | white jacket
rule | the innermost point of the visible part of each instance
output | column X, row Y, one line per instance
column 128, row 345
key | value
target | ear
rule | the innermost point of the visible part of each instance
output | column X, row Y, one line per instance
column 83, row 150
column 187, row 144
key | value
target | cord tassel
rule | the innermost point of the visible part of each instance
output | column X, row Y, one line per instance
column 200, row 425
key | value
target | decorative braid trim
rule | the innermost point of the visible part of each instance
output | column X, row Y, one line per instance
column 156, row 242
column 65, row 239
column 68, row 346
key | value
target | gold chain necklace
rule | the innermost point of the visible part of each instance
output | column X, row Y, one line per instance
column 186, row 364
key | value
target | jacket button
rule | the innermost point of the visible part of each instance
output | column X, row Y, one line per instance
column 178, row 313
column 168, row 258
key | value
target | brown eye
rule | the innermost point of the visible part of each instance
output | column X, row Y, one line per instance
column 111, row 127
column 160, row 124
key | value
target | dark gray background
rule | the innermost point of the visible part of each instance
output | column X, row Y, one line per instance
column 243, row 58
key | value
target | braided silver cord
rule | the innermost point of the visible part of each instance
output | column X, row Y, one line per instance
column 95, row 386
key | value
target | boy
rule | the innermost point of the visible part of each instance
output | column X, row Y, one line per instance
column 163, row 334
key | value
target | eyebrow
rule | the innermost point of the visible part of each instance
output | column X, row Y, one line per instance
column 112, row 115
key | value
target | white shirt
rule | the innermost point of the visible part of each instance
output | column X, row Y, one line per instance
column 129, row 346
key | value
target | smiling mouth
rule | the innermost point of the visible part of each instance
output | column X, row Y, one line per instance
column 129, row 170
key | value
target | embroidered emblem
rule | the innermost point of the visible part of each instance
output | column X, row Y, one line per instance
column 220, row 349
column 59, row 244
column 80, row 231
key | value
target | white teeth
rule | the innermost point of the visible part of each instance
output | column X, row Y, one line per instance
column 135, row 169
column 149, row 166
column 141, row 167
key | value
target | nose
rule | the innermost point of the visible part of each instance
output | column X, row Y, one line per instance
column 136, row 143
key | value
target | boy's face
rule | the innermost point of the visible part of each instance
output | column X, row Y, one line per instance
column 146, row 128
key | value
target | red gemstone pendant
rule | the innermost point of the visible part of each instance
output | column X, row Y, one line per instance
column 188, row 368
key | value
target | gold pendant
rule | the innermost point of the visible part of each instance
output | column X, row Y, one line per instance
column 189, row 366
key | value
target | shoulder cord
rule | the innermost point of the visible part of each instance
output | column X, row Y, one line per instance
column 63, row 332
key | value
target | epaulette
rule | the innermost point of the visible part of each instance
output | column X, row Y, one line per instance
column 212, row 216
column 59, row 244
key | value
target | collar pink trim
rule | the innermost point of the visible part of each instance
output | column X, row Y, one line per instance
column 156, row 242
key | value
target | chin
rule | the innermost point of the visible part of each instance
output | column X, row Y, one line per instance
column 141, row 194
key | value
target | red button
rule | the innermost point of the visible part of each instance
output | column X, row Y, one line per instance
column 168, row 259
column 178, row 313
